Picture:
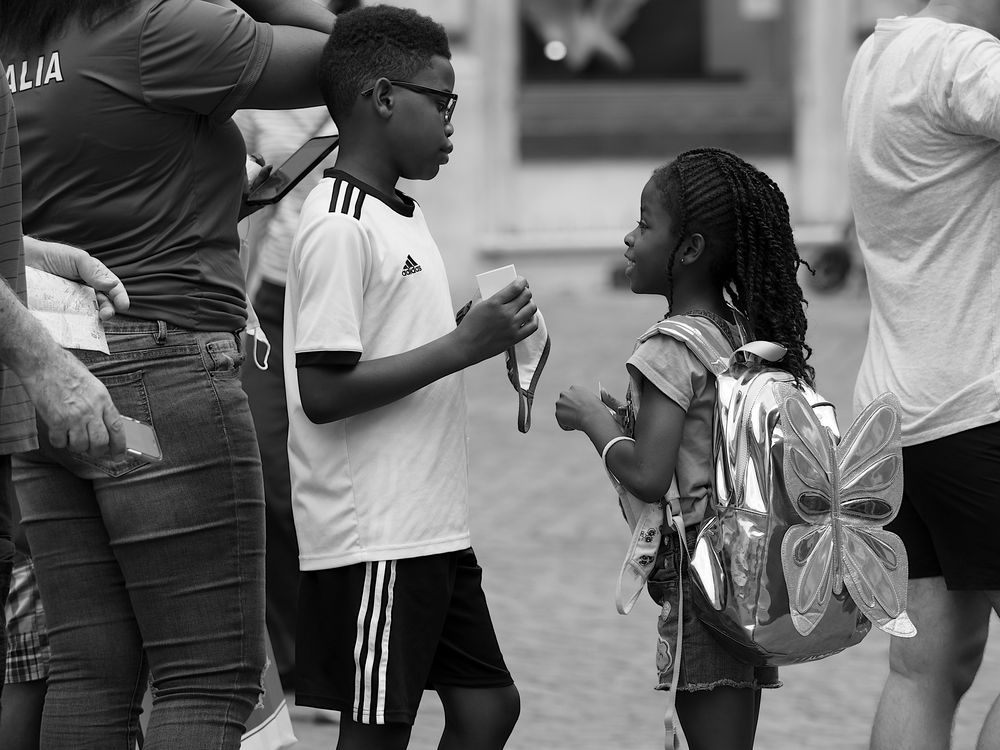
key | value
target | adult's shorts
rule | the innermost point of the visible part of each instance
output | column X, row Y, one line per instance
column 949, row 519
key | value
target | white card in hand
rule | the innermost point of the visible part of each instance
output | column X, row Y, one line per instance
column 491, row 282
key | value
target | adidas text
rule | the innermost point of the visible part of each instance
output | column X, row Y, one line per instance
column 411, row 266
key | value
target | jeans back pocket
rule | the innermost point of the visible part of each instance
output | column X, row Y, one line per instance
column 128, row 392
column 225, row 356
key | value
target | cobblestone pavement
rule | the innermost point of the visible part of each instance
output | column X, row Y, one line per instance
column 550, row 538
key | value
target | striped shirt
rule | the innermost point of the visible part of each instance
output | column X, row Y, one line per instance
column 17, row 416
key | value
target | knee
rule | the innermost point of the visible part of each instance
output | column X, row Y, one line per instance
column 948, row 666
column 487, row 714
column 255, row 679
column 500, row 709
column 502, row 715
column 215, row 680
column 511, row 706
column 244, row 696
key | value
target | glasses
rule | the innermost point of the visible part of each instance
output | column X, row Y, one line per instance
column 446, row 99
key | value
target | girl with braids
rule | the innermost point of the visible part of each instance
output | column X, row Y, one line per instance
column 714, row 239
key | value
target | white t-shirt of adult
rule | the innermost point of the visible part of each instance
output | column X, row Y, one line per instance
column 922, row 116
column 365, row 276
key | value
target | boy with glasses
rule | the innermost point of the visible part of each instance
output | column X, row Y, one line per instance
column 391, row 600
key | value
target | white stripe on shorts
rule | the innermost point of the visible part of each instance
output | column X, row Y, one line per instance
column 369, row 676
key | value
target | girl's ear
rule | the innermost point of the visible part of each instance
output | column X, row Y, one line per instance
column 692, row 248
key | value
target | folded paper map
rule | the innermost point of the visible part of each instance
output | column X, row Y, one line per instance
column 68, row 309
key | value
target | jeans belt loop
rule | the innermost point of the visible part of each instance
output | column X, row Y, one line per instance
column 161, row 332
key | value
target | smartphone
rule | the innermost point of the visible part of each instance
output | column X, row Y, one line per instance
column 140, row 440
column 281, row 180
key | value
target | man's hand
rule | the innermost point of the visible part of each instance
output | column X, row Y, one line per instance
column 78, row 265
column 73, row 403
column 76, row 407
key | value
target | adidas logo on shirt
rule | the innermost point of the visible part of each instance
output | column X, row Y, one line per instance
column 410, row 266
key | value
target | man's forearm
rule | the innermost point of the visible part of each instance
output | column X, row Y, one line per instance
column 74, row 404
column 25, row 344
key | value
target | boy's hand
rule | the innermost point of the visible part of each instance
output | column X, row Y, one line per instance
column 577, row 408
column 497, row 323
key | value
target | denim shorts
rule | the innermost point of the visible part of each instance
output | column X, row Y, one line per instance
column 704, row 663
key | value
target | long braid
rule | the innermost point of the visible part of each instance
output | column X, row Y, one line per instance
column 693, row 193
column 744, row 212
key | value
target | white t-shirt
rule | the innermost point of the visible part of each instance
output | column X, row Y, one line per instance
column 390, row 483
column 922, row 115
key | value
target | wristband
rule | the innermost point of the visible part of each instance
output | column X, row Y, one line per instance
column 607, row 447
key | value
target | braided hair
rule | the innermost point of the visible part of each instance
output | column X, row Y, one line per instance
column 744, row 215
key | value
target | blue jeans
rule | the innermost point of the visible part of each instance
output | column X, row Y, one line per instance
column 153, row 569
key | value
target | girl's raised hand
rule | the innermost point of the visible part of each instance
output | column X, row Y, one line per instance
column 580, row 409
column 616, row 407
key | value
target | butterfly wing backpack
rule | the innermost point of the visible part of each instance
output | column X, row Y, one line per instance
column 794, row 564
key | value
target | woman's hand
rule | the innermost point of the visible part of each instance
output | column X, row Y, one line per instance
column 78, row 265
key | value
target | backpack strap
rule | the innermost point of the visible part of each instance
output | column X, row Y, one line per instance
column 701, row 336
column 765, row 350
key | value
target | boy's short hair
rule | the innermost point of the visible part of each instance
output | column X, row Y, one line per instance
column 373, row 42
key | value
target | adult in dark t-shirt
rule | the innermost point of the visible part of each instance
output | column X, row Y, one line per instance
column 69, row 398
column 152, row 565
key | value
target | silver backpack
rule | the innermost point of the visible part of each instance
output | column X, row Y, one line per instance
column 794, row 564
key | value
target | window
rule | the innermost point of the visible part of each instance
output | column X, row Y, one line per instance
column 643, row 77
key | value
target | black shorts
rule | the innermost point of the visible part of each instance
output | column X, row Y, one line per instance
column 373, row 636
column 950, row 515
